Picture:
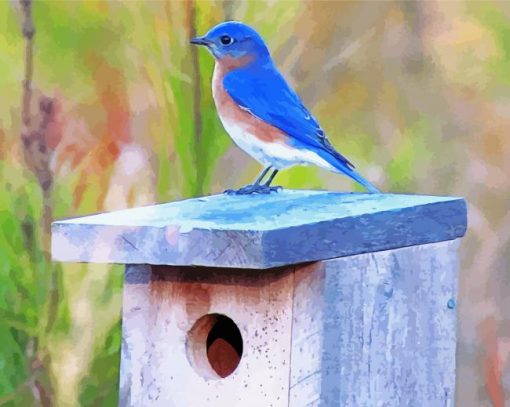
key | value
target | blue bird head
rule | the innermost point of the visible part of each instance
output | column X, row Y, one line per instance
column 235, row 40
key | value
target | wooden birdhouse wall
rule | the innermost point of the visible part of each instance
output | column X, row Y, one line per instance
column 165, row 362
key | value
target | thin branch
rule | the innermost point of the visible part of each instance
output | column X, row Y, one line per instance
column 28, row 32
column 34, row 135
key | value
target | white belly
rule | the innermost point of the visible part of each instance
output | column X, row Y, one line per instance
column 274, row 154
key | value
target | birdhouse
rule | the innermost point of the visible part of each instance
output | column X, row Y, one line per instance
column 299, row 298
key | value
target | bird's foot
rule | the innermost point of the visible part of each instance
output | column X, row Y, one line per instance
column 253, row 189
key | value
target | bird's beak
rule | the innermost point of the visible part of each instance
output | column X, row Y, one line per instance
column 200, row 41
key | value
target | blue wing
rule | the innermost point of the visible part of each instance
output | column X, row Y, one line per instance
column 265, row 94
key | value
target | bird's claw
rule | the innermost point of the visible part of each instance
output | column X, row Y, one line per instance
column 253, row 189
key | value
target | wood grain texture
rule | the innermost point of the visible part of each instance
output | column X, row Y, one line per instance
column 376, row 329
column 161, row 304
column 260, row 231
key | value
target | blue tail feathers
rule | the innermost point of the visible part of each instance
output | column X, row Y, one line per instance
column 350, row 172
column 360, row 180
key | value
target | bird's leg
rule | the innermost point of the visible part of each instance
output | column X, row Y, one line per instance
column 267, row 188
column 262, row 175
column 271, row 178
column 257, row 187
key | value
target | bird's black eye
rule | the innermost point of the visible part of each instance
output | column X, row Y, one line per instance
column 226, row 40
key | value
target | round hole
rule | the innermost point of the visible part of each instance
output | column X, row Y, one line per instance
column 214, row 346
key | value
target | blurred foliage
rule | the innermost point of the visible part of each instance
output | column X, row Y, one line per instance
column 415, row 93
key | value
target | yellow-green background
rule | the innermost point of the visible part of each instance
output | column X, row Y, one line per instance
column 416, row 94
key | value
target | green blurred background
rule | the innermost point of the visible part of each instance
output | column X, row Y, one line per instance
column 416, row 94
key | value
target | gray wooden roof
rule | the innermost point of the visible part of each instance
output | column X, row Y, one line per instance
column 259, row 231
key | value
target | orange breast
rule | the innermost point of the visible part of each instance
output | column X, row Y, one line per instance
column 230, row 111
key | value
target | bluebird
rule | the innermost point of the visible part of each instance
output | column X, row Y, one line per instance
column 260, row 111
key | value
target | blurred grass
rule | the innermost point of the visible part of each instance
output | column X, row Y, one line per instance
column 416, row 95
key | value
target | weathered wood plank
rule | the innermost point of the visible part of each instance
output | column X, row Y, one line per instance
column 161, row 304
column 386, row 326
column 260, row 231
